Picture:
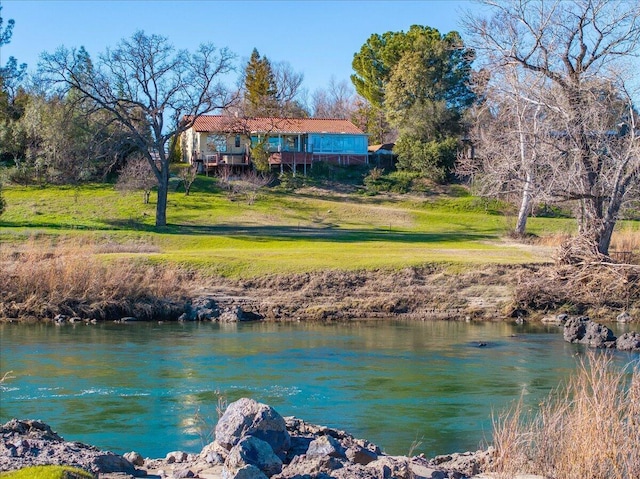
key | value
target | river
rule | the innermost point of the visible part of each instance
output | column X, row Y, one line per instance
column 154, row 387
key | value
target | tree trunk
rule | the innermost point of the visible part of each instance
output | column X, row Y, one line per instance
column 605, row 237
column 163, row 190
column 525, row 205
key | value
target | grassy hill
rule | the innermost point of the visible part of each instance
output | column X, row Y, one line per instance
column 225, row 233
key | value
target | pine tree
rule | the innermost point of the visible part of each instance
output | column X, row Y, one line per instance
column 260, row 91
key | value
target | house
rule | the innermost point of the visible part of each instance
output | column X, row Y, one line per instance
column 382, row 155
column 216, row 140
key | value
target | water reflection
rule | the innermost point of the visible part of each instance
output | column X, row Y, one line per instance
column 122, row 387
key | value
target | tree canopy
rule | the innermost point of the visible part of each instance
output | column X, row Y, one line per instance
column 152, row 91
column 419, row 80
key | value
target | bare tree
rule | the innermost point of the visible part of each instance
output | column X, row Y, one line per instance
column 338, row 100
column 188, row 175
column 250, row 183
column 288, row 90
column 511, row 156
column 137, row 175
column 154, row 91
column 580, row 48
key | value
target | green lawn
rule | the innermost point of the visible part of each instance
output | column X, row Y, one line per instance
column 280, row 232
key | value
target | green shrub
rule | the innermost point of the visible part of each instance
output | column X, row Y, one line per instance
column 395, row 182
column 288, row 182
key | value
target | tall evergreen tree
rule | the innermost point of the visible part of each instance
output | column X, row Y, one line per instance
column 260, row 90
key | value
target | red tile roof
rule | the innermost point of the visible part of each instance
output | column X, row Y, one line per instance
column 220, row 123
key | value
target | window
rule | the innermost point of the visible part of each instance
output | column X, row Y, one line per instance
column 237, row 141
column 217, row 143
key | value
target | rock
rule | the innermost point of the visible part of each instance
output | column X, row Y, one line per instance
column 176, row 457
column 253, row 451
column 624, row 317
column 246, row 472
column 201, row 309
column 33, row 443
column 246, row 417
column 134, row 458
column 629, row 342
column 232, row 315
column 213, row 453
column 557, row 319
column 303, row 466
column 467, row 463
column 360, row 455
column 584, row 331
column 391, row 466
column 183, row 473
column 60, row 318
column 325, row 446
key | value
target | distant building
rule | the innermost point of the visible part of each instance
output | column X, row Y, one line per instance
column 382, row 155
column 216, row 140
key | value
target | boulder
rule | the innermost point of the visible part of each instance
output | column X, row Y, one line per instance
column 246, row 417
column 183, row 473
column 134, row 458
column 624, row 317
column 253, row 451
column 584, row 331
column 232, row 315
column 467, row 463
column 310, row 467
column 213, row 453
column 200, row 309
column 360, row 455
column 325, row 446
column 629, row 342
column 33, row 443
column 391, row 466
column 176, row 457
column 246, row 472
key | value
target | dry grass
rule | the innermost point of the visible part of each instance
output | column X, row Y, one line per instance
column 588, row 429
column 41, row 279
column 579, row 289
column 625, row 245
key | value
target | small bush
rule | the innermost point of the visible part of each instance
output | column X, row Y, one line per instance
column 289, row 182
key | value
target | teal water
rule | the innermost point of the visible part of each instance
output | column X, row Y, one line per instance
column 153, row 388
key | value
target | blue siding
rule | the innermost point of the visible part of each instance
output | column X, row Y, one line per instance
column 338, row 143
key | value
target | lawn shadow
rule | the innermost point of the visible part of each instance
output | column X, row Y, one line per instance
column 310, row 233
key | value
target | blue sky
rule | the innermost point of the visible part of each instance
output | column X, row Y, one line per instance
column 318, row 38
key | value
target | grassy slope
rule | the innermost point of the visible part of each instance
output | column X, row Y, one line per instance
column 309, row 230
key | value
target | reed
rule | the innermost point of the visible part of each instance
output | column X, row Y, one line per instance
column 588, row 428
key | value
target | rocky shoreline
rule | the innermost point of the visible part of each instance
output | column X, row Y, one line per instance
column 252, row 441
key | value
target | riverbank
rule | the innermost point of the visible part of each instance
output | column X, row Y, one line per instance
column 61, row 286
